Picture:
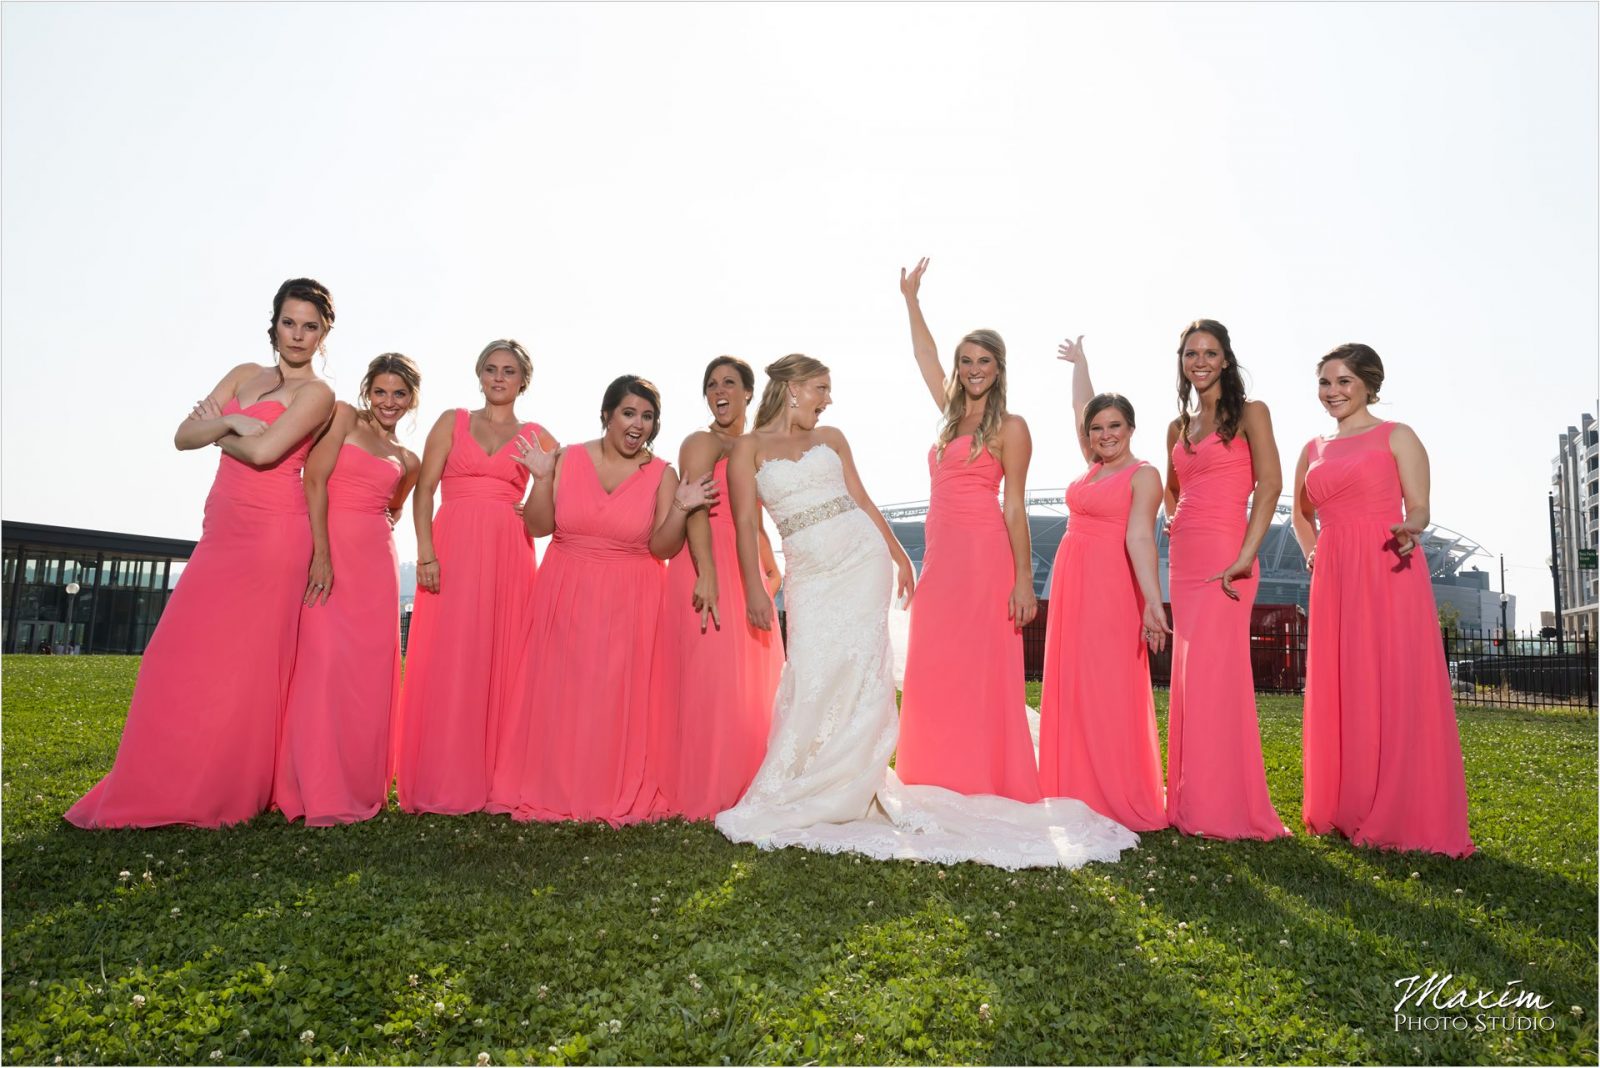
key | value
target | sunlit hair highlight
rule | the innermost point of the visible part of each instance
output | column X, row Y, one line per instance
column 793, row 368
column 994, row 401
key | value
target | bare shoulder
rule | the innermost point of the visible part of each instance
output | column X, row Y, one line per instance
column 831, row 435
column 1401, row 434
column 410, row 459
column 1255, row 410
column 1013, row 427
column 1147, row 474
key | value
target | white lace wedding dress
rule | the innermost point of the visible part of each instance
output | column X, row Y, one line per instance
column 825, row 783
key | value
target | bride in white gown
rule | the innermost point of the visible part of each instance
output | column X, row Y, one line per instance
column 825, row 783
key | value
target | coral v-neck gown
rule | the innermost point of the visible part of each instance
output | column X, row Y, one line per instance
column 963, row 712
column 202, row 730
column 1097, row 717
column 714, row 689
column 579, row 750
column 333, row 760
column 1216, row 778
column 1382, row 752
column 466, row 641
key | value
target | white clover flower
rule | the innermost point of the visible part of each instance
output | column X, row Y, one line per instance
column 983, row 1012
column 555, row 1049
column 176, row 911
column 138, row 1001
column 1283, row 941
column 860, row 1038
column 244, row 1032
column 483, row 1059
column 307, row 1037
column 1577, row 1011
column 543, row 992
column 216, row 1054
column 616, row 1026
column 477, row 1022
column 438, row 1006
column 124, row 875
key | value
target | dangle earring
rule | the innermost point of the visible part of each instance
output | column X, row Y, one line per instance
column 793, row 402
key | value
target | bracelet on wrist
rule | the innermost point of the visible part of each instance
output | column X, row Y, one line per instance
column 425, row 563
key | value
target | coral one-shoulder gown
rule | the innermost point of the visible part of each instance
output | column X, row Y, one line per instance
column 202, row 730
column 1382, row 752
column 579, row 749
column 466, row 640
column 963, row 712
column 714, row 689
column 333, row 760
column 1216, row 779
column 1097, row 718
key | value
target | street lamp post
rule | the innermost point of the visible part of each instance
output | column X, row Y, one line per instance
column 72, row 598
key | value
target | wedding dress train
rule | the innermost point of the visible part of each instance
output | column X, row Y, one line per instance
column 825, row 783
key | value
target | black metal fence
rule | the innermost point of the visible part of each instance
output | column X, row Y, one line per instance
column 1486, row 669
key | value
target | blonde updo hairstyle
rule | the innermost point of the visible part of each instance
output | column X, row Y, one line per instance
column 994, row 401
column 391, row 363
column 518, row 353
column 781, row 374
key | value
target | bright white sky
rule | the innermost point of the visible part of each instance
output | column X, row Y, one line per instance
column 639, row 188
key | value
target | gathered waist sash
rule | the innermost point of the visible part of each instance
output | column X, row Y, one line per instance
column 808, row 517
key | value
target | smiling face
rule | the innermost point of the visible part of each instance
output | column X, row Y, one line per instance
column 976, row 369
column 1341, row 390
column 726, row 396
column 501, row 377
column 631, row 424
column 811, row 398
column 298, row 331
column 1110, row 435
column 1202, row 360
column 389, row 398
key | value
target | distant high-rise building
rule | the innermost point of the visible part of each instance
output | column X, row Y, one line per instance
column 1575, row 481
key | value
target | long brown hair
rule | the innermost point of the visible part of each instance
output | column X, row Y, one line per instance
column 1231, row 393
column 794, row 367
column 994, row 401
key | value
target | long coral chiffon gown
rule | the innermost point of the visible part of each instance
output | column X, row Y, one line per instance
column 202, row 729
column 715, row 688
column 963, row 713
column 1097, row 717
column 1216, row 778
column 1382, row 752
column 467, row 640
column 580, row 747
column 333, row 760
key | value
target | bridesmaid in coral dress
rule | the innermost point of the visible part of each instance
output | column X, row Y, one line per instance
column 475, row 579
column 1097, row 716
column 333, row 759
column 715, row 673
column 1221, row 455
column 579, row 749
column 1382, row 752
column 202, row 729
column 963, row 713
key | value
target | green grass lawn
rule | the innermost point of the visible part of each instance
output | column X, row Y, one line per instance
column 435, row 939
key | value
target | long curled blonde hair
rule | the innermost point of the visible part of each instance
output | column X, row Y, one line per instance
column 780, row 375
column 994, row 401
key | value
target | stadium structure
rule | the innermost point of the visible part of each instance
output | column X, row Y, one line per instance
column 1451, row 557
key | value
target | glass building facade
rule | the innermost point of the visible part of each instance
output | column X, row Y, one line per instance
column 90, row 591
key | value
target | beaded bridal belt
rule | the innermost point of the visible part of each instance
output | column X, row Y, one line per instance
column 815, row 514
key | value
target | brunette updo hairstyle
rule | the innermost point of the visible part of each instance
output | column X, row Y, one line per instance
column 1363, row 362
column 402, row 367
column 1231, row 398
column 518, row 353
column 642, row 388
column 794, row 367
column 1100, row 402
column 309, row 290
column 747, row 376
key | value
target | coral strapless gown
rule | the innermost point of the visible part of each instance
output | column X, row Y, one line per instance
column 1382, row 752
column 202, row 729
column 466, row 640
column 333, row 760
column 578, row 750
column 1216, row 779
column 963, row 712
column 714, row 689
column 1097, row 718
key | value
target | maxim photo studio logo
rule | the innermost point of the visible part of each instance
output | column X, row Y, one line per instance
column 1439, row 1003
